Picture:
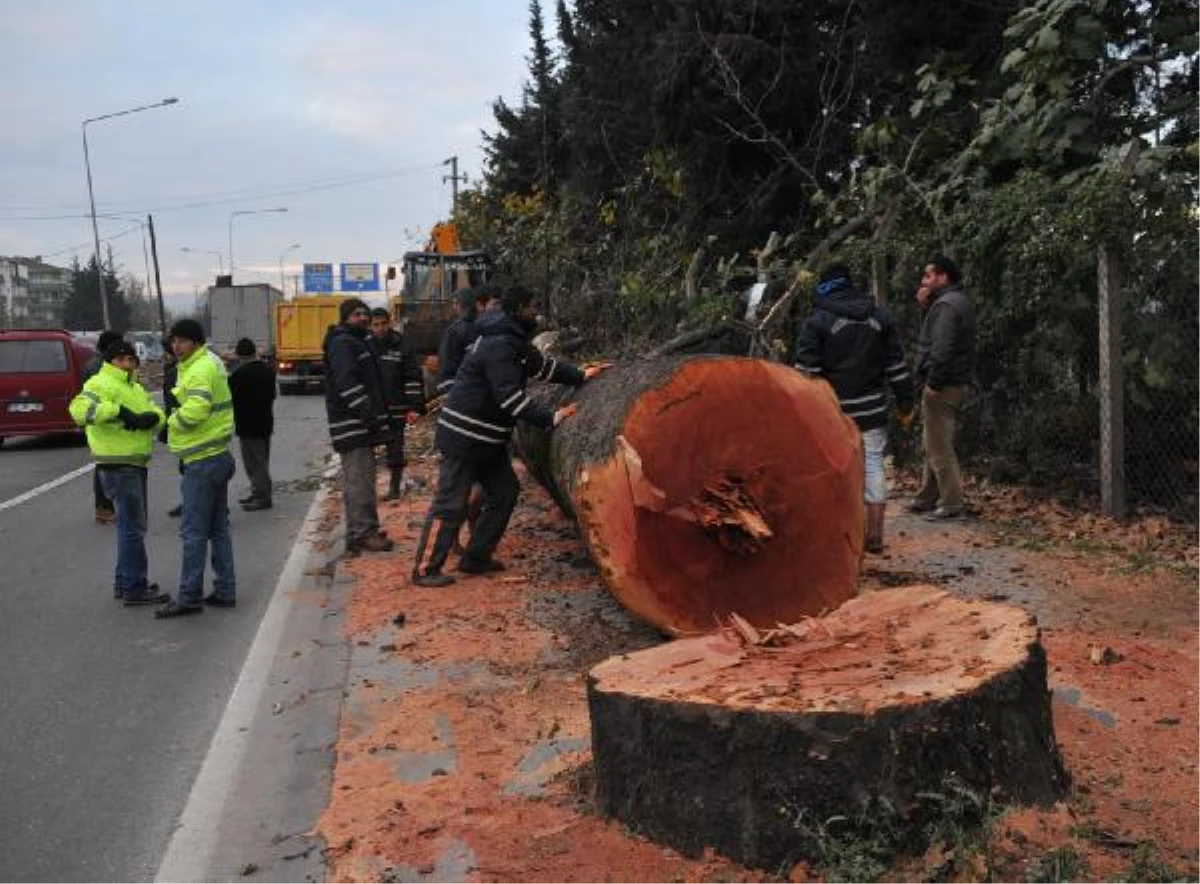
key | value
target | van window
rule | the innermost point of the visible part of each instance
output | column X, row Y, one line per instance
column 32, row 357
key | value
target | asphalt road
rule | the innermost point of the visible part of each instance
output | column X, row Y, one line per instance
column 106, row 713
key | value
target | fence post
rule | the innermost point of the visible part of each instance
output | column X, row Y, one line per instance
column 1112, row 386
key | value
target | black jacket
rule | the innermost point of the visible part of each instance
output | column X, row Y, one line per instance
column 460, row 335
column 400, row 371
column 946, row 347
column 488, row 397
column 354, row 400
column 252, row 386
column 853, row 343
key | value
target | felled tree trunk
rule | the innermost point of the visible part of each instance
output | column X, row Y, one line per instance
column 709, row 485
column 900, row 708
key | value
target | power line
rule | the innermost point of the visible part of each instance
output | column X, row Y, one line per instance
column 236, row 196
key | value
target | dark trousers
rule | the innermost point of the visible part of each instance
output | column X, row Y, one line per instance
column 102, row 500
column 256, row 460
column 449, row 509
column 395, row 445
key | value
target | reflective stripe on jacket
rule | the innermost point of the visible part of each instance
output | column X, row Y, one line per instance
column 96, row 409
column 202, row 425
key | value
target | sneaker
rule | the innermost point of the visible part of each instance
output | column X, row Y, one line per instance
column 944, row 514
column 105, row 517
column 176, row 511
column 254, row 504
column 215, row 601
column 470, row 565
column 434, row 580
column 916, row 505
column 174, row 609
column 247, row 499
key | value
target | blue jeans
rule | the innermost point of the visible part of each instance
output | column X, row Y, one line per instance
column 205, row 488
column 126, row 488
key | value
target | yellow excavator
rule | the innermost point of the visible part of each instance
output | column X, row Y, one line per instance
column 430, row 279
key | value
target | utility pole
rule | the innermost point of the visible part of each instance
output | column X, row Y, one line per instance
column 162, row 310
column 453, row 178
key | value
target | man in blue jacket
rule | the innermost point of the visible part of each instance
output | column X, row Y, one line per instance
column 473, row 432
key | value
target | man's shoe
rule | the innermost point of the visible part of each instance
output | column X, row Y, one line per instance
column 916, row 505
column 215, row 601
column 148, row 596
column 433, row 580
column 254, row 504
column 374, row 543
column 176, row 511
column 174, row 609
column 944, row 514
column 469, row 565
column 105, row 517
column 246, row 499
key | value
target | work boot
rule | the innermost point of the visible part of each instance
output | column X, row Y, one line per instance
column 873, row 539
column 471, row 565
column 374, row 543
column 105, row 517
column 393, row 492
column 433, row 580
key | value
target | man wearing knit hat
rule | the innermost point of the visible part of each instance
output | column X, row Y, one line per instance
column 120, row 420
column 252, row 385
column 105, row 514
column 199, row 432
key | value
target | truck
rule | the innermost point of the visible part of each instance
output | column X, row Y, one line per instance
column 241, row 311
column 430, row 279
column 299, row 332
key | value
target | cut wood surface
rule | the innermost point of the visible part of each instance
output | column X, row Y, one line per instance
column 880, row 713
column 705, row 485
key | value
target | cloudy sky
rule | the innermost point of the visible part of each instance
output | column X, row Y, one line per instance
column 341, row 112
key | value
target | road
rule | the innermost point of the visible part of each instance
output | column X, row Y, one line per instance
column 106, row 713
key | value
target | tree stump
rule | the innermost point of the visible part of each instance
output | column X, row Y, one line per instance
column 704, row 485
column 887, row 712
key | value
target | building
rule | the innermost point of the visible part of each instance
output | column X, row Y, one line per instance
column 33, row 294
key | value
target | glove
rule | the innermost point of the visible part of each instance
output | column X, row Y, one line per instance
column 565, row 412
column 410, row 418
column 128, row 418
column 146, row 420
column 905, row 417
column 592, row 370
column 162, row 434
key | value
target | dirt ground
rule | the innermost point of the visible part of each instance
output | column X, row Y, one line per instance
column 464, row 749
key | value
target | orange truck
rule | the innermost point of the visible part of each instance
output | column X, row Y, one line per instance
column 300, row 328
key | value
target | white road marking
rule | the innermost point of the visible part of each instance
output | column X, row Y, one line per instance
column 49, row 486
column 193, row 847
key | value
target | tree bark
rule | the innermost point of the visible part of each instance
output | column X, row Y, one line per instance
column 902, row 707
column 705, row 485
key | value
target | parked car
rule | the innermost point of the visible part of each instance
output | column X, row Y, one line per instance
column 41, row 371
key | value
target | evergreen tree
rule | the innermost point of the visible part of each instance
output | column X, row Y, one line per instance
column 83, row 310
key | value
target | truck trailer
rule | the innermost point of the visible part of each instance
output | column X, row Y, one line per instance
column 300, row 328
column 242, row 311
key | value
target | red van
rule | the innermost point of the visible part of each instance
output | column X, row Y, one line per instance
column 41, row 371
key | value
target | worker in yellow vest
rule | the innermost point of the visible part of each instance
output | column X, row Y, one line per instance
column 120, row 421
column 199, row 432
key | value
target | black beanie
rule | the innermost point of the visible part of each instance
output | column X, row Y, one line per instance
column 106, row 340
column 465, row 297
column 120, row 348
column 514, row 298
column 188, row 328
column 244, row 347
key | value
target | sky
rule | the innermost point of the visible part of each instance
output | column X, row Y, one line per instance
column 341, row 112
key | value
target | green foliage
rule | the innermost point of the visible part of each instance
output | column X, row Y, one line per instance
column 83, row 310
column 1061, row 864
column 1146, row 865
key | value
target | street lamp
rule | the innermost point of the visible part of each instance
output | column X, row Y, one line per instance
column 282, row 284
column 87, row 162
column 233, row 215
column 217, row 252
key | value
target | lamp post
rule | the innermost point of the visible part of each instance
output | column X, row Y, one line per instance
column 282, row 281
column 87, row 162
column 217, row 252
column 233, row 215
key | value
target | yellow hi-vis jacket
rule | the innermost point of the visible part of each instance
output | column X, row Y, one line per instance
column 202, row 425
column 96, row 409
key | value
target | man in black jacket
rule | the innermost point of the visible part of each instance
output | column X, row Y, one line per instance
column 474, row 428
column 461, row 334
column 945, row 369
column 853, row 343
column 252, row 386
column 357, row 413
column 403, row 390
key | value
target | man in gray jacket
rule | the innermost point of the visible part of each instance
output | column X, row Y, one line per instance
column 945, row 368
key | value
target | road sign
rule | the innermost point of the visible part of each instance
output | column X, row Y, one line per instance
column 360, row 278
column 318, row 277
